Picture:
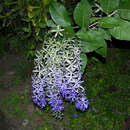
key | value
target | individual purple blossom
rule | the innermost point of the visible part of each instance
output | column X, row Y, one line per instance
column 56, row 103
column 69, row 95
column 75, row 115
column 82, row 103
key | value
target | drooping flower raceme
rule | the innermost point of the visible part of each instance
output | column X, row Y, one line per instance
column 57, row 75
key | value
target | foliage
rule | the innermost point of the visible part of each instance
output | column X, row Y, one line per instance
column 93, row 31
column 88, row 18
column 90, row 23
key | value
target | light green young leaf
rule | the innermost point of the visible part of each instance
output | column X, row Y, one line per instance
column 82, row 13
column 109, row 5
column 59, row 14
column 121, row 32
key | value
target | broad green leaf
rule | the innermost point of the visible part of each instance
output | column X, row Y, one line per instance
column 59, row 14
column 109, row 5
column 93, row 41
column 69, row 32
column 50, row 23
column 121, row 32
column 124, row 13
column 124, row 9
column 82, row 13
column 84, row 61
column 105, row 33
column 102, row 51
column 91, row 35
column 91, row 45
column 108, row 22
column 124, row 4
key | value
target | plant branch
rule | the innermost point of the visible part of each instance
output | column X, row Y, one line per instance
column 93, row 24
column 114, row 12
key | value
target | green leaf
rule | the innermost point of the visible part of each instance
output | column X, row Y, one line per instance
column 124, row 4
column 94, row 19
column 91, row 45
column 124, row 13
column 108, row 22
column 105, row 33
column 124, row 9
column 59, row 14
column 102, row 51
column 84, row 61
column 82, row 13
column 88, row 46
column 50, row 23
column 93, row 41
column 109, row 5
column 91, row 35
column 69, row 32
column 121, row 32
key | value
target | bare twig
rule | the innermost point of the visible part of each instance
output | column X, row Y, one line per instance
column 76, row 27
column 114, row 12
column 93, row 24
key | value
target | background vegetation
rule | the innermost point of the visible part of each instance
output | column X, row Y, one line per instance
column 23, row 24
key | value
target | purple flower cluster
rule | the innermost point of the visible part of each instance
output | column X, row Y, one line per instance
column 57, row 76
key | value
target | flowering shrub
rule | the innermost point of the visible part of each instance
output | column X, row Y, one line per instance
column 57, row 75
